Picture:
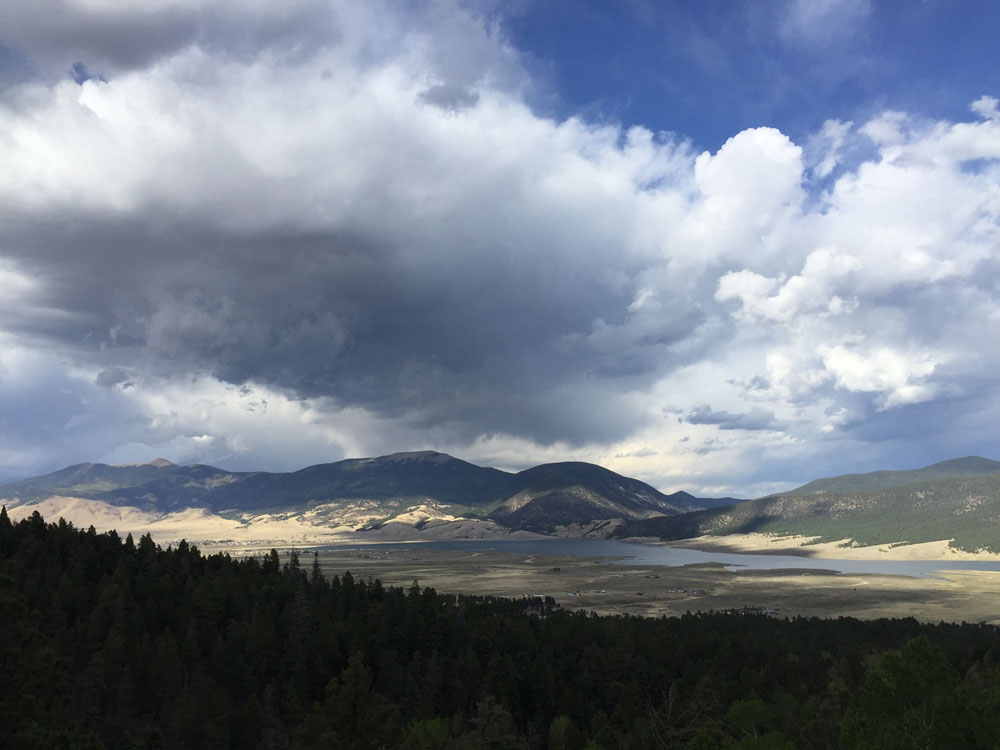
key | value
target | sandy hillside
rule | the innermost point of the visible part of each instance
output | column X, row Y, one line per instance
column 843, row 549
column 210, row 530
column 192, row 524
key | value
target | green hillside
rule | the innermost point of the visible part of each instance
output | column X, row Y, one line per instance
column 963, row 508
column 881, row 480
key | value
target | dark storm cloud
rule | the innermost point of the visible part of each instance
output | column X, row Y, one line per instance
column 466, row 342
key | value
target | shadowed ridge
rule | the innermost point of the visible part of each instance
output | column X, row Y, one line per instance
column 548, row 496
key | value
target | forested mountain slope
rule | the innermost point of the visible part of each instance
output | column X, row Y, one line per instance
column 923, row 505
column 881, row 480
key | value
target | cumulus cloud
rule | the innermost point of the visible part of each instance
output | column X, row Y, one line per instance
column 896, row 376
column 353, row 215
column 825, row 275
column 749, row 193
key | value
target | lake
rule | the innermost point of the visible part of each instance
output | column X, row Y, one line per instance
column 628, row 553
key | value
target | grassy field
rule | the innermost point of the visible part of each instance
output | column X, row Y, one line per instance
column 600, row 586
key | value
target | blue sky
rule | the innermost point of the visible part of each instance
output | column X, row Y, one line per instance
column 725, row 247
column 706, row 70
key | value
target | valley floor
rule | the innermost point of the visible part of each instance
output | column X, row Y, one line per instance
column 597, row 585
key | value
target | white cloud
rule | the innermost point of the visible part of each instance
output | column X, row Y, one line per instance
column 986, row 107
column 750, row 192
column 824, row 274
column 898, row 377
column 887, row 129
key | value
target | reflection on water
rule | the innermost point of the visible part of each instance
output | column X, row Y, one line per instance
column 649, row 554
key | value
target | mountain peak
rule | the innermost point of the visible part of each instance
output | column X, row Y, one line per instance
column 434, row 456
column 972, row 464
column 157, row 462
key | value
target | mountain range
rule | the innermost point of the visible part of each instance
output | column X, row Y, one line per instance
column 432, row 495
column 368, row 493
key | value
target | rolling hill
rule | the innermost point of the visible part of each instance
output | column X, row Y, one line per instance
column 580, row 493
column 881, row 480
column 957, row 500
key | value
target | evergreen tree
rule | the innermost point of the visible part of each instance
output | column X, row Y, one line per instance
column 6, row 530
column 910, row 698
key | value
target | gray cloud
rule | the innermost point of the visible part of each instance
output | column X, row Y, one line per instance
column 469, row 342
column 449, row 97
column 123, row 36
column 115, row 376
column 724, row 420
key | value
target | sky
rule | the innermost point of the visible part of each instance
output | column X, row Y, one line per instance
column 726, row 246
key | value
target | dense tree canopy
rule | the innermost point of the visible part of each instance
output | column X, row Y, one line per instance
column 108, row 643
